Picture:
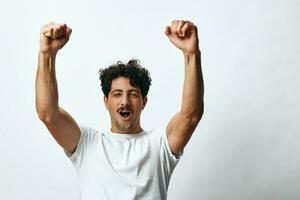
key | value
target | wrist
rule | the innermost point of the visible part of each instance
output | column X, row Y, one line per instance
column 191, row 53
column 47, row 59
column 47, row 54
column 191, row 49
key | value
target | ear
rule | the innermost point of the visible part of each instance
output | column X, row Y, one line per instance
column 145, row 99
column 105, row 99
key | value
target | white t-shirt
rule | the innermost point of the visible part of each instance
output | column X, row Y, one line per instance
column 112, row 166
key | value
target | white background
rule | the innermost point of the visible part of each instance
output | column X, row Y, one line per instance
column 247, row 144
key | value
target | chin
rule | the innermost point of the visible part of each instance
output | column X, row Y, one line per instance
column 124, row 127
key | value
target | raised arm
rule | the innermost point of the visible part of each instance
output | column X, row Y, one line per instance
column 183, row 34
column 60, row 124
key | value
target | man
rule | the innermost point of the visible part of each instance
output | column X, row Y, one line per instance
column 125, row 162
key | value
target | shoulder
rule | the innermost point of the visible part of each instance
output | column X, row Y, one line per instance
column 88, row 130
column 88, row 136
column 88, row 133
column 159, row 140
column 160, row 137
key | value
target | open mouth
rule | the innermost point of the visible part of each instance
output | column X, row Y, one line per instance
column 125, row 114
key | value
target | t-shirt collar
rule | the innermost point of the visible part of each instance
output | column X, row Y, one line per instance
column 124, row 135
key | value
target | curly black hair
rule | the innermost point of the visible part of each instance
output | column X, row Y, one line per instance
column 138, row 76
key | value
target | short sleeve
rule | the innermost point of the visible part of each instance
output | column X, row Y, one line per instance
column 175, row 158
column 168, row 159
column 86, row 137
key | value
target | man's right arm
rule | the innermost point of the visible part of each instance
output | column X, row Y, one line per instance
column 61, row 125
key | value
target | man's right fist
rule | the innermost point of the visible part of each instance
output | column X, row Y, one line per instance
column 53, row 37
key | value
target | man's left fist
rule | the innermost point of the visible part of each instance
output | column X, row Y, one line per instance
column 183, row 34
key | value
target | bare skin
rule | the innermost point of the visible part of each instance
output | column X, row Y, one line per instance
column 60, row 124
column 123, row 96
column 184, row 35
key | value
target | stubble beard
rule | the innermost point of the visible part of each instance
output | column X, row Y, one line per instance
column 126, row 127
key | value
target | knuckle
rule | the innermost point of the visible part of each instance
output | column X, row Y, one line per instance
column 51, row 23
column 43, row 29
column 174, row 23
column 54, row 30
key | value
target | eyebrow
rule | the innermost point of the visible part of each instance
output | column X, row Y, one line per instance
column 116, row 90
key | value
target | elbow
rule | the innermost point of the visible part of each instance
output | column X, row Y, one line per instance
column 192, row 117
column 195, row 118
column 47, row 117
column 194, row 121
column 198, row 114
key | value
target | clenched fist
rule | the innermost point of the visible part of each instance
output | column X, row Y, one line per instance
column 183, row 34
column 53, row 37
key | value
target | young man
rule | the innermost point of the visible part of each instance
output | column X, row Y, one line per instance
column 125, row 162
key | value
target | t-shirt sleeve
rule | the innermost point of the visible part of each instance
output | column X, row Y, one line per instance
column 86, row 137
column 167, row 157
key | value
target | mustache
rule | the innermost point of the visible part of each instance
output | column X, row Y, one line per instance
column 124, row 108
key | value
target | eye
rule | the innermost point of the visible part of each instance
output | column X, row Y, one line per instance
column 116, row 94
column 134, row 94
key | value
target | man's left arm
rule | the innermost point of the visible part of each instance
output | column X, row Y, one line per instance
column 183, row 34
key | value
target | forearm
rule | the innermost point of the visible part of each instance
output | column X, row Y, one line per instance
column 193, row 89
column 46, row 88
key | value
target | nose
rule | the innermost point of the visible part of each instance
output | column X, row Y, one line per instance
column 124, row 100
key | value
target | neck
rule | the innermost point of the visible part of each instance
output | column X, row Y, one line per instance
column 124, row 130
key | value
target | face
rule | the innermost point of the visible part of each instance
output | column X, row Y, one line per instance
column 125, row 104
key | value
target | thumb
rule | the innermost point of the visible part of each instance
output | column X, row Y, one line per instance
column 168, row 31
column 68, row 32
